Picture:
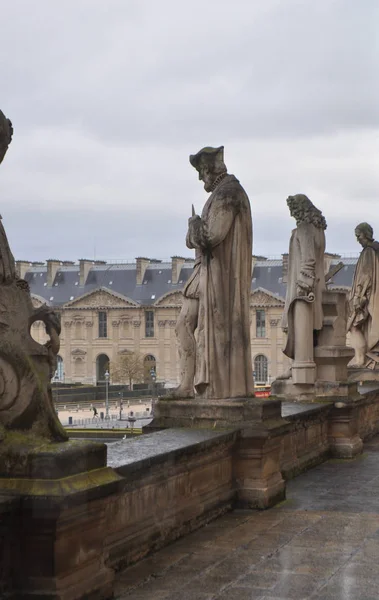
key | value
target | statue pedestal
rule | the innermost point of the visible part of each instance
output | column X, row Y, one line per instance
column 331, row 356
column 367, row 379
column 259, row 482
column 303, row 373
column 59, row 553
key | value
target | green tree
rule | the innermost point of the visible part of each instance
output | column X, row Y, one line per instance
column 127, row 368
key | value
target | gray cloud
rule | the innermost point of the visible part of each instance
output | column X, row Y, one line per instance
column 109, row 98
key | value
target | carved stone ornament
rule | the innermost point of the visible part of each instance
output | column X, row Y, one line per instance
column 116, row 323
column 171, row 299
column 78, row 352
column 274, row 322
column 136, row 324
column 26, row 367
column 261, row 298
column 167, row 322
column 89, row 323
column 101, row 299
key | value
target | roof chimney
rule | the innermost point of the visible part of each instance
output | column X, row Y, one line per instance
column 22, row 266
column 141, row 268
column 255, row 259
column 52, row 267
column 177, row 263
column 84, row 268
column 328, row 257
column 285, row 268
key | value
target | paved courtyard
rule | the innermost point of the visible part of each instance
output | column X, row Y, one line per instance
column 321, row 543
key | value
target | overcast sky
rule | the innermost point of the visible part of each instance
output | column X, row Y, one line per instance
column 109, row 97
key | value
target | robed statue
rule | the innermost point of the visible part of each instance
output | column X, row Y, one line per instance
column 303, row 314
column 213, row 328
column 26, row 367
column 363, row 322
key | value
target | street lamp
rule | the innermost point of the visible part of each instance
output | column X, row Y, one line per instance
column 121, row 394
column 106, row 375
column 153, row 376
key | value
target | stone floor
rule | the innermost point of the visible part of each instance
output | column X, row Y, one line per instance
column 321, row 543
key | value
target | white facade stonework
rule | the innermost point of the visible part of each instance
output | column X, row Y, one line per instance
column 139, row 320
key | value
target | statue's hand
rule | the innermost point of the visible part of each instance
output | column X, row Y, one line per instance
column 193, row 220
column 302, row 289
column 359, row 302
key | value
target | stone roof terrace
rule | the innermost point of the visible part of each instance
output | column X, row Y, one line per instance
column 322, row 543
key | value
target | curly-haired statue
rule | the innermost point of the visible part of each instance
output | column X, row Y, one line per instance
column 303, row 315
column 26, row 367
column 363, row 322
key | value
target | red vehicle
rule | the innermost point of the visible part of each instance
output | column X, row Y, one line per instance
column 262, row 391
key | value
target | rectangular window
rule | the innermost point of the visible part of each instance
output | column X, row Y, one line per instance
column 260, row 323
column 149, row 323
column 103, row 333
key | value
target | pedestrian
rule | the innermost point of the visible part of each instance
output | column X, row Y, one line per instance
column 94, row 412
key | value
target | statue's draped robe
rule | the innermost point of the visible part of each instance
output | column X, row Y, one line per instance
column 221, row 280
column 305, row 264
column 7, row 262
column 366, row 276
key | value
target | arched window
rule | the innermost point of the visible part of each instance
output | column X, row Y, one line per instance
column 102, row 365
column 149, row 367
column 261, row 368
column 59, row 376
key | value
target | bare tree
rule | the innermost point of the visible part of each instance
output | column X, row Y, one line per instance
column 128, row 368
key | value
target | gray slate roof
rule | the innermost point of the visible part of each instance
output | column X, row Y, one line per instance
column 157, row 280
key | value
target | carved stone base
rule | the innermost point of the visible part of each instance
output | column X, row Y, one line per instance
column 286, row 389
column 23, row 455
column 363, row 375
column 320, row 391
column 212, row 414
column 303, row 373
column 60, row 551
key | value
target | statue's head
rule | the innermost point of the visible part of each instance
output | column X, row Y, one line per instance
column 364, row 234
column 6, row 132
column 209, row 163
column 304, row 211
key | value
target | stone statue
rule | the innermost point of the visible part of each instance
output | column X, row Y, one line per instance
column 363, row 322
column 216, row 362
column 303, row 314
column 26, row 367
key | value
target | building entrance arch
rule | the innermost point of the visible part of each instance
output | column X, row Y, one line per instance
column 102, row 365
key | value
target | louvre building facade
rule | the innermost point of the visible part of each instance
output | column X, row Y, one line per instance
column 109, row 309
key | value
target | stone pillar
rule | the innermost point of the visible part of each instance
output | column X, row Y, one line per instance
column 61, row 530
column 331, row 353
column 344, row 438
column 303, row 366
column 257, row 471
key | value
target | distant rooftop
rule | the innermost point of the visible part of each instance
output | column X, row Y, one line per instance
column 146, row 280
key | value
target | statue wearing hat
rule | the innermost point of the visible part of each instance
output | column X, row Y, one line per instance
column 215, row 361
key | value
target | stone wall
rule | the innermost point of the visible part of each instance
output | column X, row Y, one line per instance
column 369, row 415
column 157, row 488
column 180, row 482
column 306, row 443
